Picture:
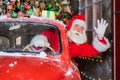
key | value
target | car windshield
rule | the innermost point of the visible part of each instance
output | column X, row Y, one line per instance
column 16, row 36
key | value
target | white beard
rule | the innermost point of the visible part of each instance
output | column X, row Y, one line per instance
column 76, row 37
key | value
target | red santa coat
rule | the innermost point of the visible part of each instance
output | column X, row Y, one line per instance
column 88, row 50
column 82, row 50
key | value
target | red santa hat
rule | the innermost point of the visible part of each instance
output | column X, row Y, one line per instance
column 78, row 19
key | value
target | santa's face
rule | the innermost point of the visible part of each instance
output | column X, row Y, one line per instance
column 77, row 34
column 78, row 28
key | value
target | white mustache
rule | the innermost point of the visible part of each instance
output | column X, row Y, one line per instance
column 77, row 37
column 76, row 32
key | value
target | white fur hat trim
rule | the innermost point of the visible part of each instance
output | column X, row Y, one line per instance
column 79, row 22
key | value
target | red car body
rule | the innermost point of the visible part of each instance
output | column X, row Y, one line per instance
column 28, row 66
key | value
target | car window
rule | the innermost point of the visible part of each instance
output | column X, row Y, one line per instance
column 20, row 35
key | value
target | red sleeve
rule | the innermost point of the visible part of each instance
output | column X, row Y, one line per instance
column 52, row 37
column 82, row 50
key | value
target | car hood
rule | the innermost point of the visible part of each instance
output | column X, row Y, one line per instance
column 32, row 68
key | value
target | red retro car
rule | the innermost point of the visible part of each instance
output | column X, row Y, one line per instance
column 19, row 62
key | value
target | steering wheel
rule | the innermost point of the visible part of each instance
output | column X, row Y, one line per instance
column 28, row 47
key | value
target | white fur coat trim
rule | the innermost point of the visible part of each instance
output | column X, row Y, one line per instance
column 100, row 46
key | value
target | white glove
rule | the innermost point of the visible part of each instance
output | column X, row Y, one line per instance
column 100, row 30
column 40, row 41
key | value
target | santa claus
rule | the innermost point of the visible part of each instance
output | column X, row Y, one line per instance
column 77, row 38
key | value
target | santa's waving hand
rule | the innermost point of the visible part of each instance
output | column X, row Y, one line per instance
column 100, row 30
column 101, row 43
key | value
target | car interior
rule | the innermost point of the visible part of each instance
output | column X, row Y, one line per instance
column 15, row 35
